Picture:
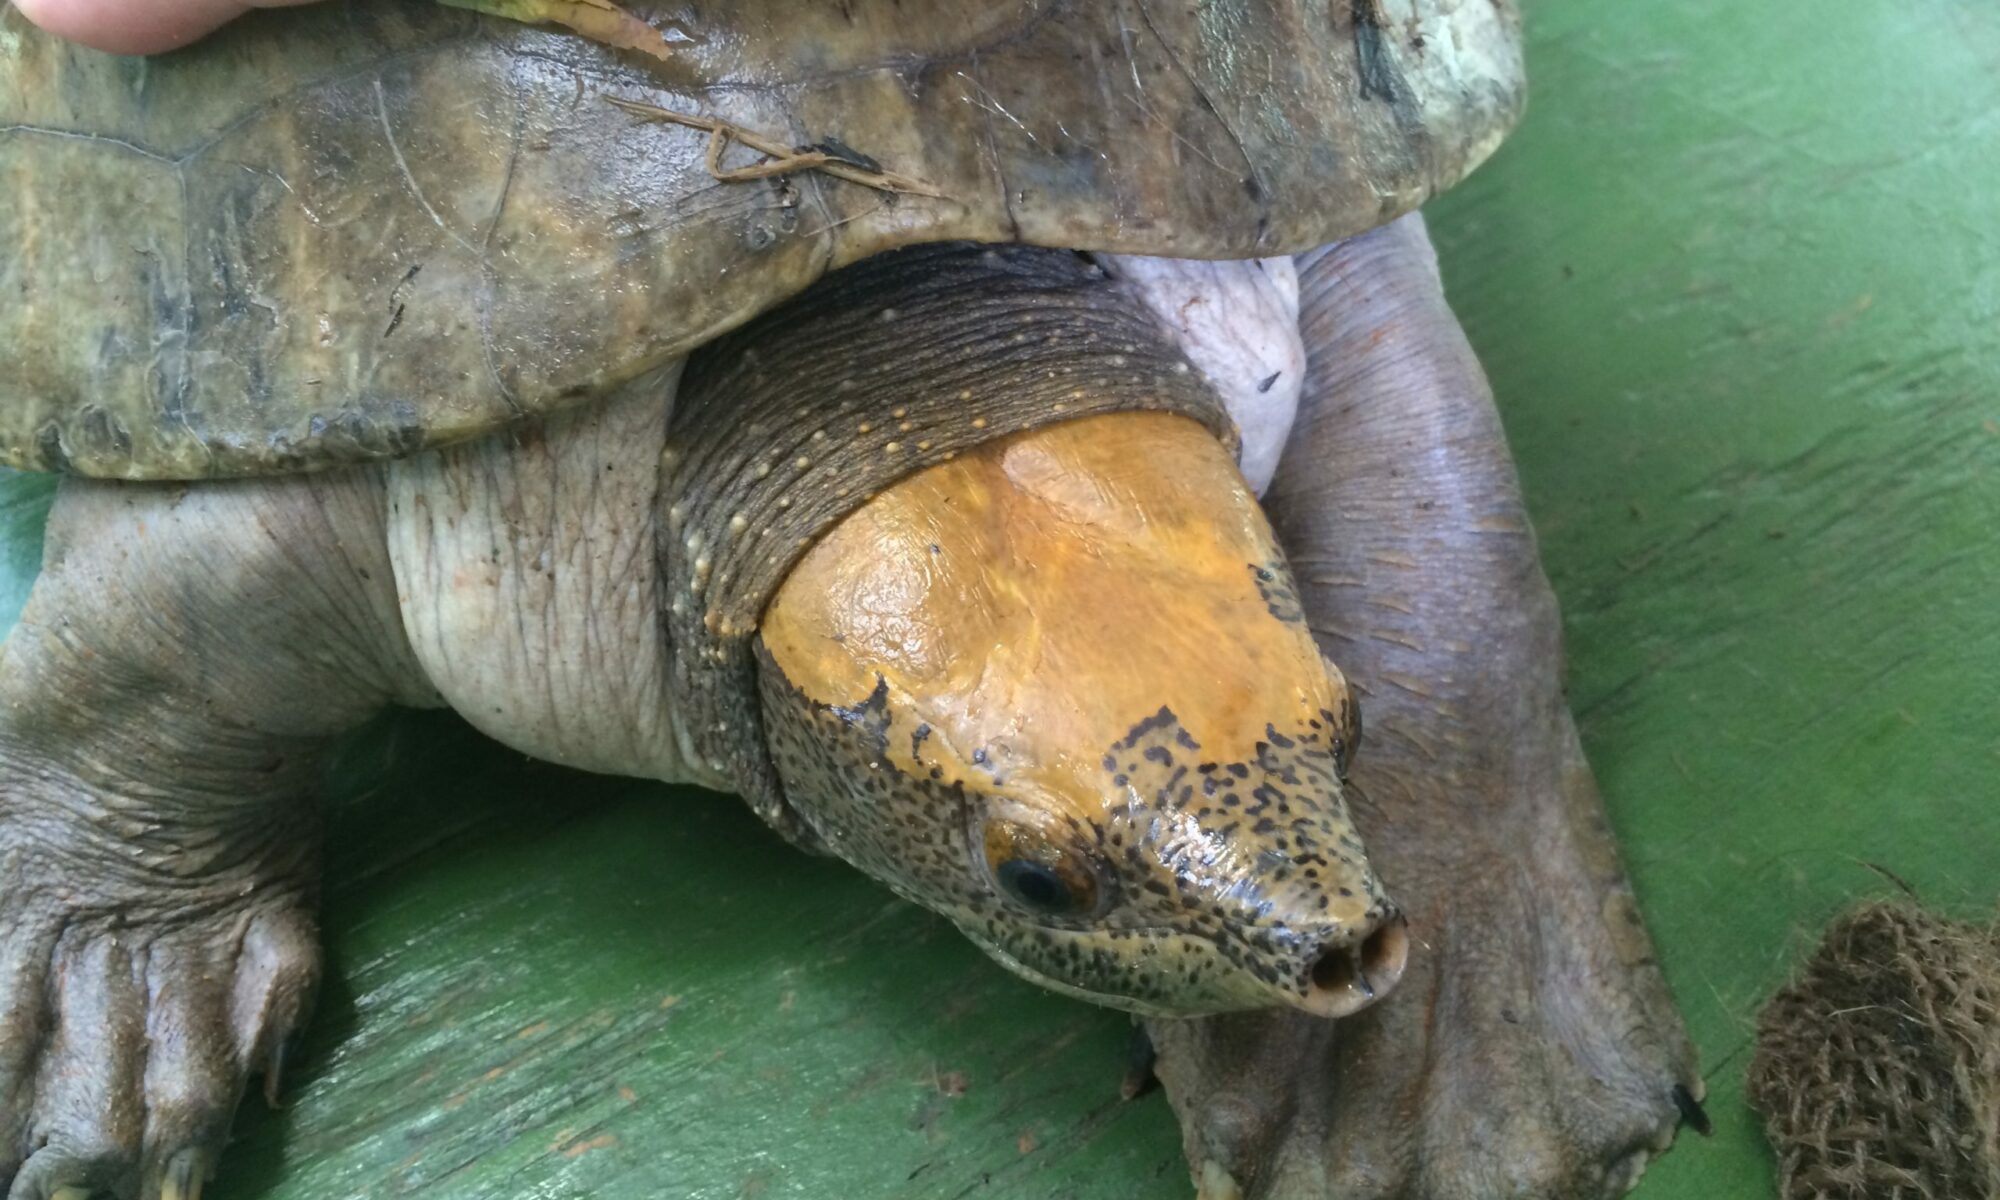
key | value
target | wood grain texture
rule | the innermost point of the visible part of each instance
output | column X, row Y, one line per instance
column 1738, row 285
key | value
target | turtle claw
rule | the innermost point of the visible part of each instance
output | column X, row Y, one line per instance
column 1693, row 1115
column 185, row 1177
column 274, row 1074
column 1140, row 1057
column 1214, row 1182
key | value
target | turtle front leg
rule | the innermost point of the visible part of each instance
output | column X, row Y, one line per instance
column 1532, row 1049
column 185, row 657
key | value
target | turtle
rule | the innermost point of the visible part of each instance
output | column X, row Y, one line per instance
column 860, row 407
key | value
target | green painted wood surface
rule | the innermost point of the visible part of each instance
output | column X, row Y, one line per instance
column 1738, row 285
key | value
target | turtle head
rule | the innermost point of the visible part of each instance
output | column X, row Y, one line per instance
column 1060, row 690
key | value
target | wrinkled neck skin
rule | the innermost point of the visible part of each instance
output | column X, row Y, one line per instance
column 1059, row 689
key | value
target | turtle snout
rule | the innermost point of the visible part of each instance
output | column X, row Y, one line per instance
column 1356, row 967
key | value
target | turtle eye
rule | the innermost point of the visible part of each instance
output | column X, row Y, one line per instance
column 1035, row 884
column 1037, row 874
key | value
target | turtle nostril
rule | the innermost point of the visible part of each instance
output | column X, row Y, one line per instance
column 1346, row 979
column 1385, row 953
column 1336, row 970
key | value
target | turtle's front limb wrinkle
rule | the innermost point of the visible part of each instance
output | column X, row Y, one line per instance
column 1532, row 1049
column 186, row 656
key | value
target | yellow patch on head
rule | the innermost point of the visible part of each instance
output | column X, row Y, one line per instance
column 1030, row 601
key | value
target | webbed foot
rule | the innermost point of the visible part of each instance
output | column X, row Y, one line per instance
column 149, row 968
column 1532, row 1049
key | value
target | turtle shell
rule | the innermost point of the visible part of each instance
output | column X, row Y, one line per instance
column 354, row 231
